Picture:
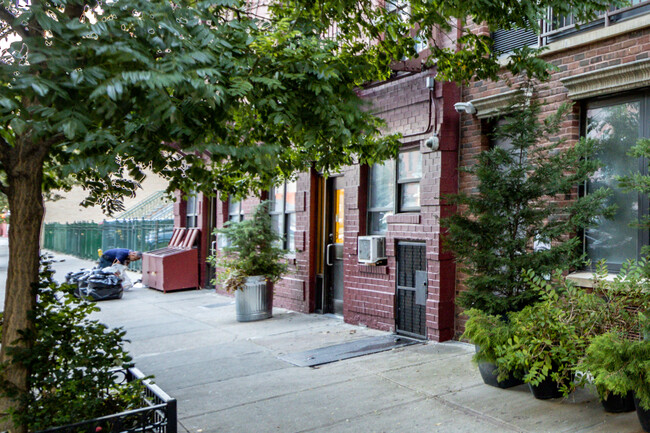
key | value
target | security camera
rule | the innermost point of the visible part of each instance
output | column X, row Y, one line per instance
column 465, row 107
column 433, row 142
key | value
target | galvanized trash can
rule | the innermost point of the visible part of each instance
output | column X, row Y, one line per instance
column 254, row 301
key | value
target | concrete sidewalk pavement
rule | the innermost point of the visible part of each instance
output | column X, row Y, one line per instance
column 227, row 376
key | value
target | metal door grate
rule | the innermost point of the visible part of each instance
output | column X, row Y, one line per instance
column 411, row 305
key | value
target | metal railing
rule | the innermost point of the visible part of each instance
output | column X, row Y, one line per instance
column 555, row 25
column 84, row 239
column 157, row 414
column 149, row 208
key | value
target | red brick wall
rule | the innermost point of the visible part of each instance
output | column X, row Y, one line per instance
column 369, row 296
column 616, row 50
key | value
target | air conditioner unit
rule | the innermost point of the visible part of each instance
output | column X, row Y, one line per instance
column 371, row 249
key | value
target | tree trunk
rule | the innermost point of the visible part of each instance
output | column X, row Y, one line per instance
column 24, row 178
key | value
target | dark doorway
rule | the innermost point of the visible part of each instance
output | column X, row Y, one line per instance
column 411, row 291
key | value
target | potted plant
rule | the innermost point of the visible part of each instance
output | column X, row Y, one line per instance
column 251, row 261
column 620, row 366
column 489, row 334
column 610, row 357
column 550, row 338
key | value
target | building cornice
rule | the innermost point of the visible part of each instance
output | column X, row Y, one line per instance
column 628, row 76
column 494, row 105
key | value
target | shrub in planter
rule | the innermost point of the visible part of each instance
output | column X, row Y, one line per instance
column 610, row 357
column 550, row 337
column 71, row 364
column 489, row 333
column 620, row 366
column 610, row 360
column 252, row 255
column 252, row 250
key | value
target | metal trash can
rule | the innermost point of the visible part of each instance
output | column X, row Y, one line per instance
column 255, row 300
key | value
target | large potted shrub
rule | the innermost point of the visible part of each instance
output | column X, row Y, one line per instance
column 250, row 261
column 489, row 334
column 622, row 366
column 511, row 221
column 612, row 358
column 551, row 336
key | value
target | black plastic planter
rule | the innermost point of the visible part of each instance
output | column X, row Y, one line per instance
column 489, row 374
column 617, row 404
column 548, row 388
column 643, row 414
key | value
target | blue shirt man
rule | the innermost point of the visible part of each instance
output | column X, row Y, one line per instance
column 122, row 256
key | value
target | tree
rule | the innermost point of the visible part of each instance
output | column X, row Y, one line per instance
column 209, row 95
column 516, row 220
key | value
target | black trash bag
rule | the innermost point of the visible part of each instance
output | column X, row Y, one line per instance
column 73, row 278
column 100, row 286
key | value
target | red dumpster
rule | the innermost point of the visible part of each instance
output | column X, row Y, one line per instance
column 174, row 267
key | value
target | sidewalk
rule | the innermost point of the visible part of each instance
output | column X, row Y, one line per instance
column 227, row 376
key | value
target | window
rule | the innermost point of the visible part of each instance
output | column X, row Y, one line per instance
column 618, row 124
column 393, row 189
column 409, row 172
column 191, row 213
column 235, row 210
column 381, row 196
column 283, row 213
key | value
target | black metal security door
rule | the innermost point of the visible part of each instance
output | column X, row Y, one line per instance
column 411, row 289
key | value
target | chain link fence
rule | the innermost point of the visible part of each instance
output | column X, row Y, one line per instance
column 85, row 239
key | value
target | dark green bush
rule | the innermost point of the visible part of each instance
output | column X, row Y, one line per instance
column 252, row 250
column 550, row 337
column 519, row 217
column 71, row 363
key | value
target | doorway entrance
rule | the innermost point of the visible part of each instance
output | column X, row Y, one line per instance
column 331, row 235
column 411, row 290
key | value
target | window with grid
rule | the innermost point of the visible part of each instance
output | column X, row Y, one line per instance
column 393, row 188
column 618, row 124
column 283, row 213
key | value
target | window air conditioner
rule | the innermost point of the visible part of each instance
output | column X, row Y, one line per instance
column 371, row 249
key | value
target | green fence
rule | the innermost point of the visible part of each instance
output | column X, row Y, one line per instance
column 84, row 239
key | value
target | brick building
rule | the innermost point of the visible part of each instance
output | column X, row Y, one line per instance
column 604, row 69
column 604, row 72
column 409, row 288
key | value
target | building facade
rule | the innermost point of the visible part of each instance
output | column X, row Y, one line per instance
column 603, row 72
column 366, row 243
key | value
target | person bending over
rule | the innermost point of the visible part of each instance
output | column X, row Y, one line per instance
column 122, row 256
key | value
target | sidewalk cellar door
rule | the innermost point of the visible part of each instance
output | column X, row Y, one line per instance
column 411, row 296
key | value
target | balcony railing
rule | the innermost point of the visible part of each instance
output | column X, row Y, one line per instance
column 555, row 27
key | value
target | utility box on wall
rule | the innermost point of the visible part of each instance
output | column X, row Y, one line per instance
column 175, row 267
